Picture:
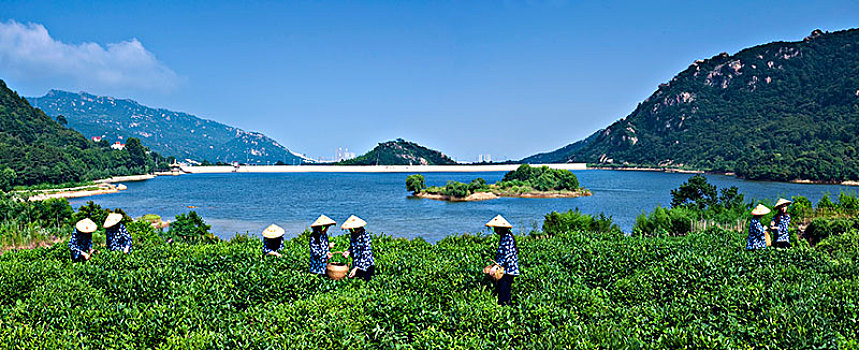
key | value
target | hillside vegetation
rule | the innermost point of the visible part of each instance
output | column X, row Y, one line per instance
column 779, row 111
column 36, row 149
column 170, row 133
column 400, row 152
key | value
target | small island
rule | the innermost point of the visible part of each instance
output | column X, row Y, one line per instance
column 524, row 182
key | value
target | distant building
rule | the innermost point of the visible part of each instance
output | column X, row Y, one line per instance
column 484, row 158
column 117, row 145
column 343, row 154
column 95, row 138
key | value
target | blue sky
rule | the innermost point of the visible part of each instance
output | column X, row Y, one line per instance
column 507, row 78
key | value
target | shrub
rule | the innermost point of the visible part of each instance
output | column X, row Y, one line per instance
column 190, row 228
column 662, row 221
column 825, row 202
column 415, row 183
column 456, row 189
column 822, row 228
column 842, row 246
column 574, row 220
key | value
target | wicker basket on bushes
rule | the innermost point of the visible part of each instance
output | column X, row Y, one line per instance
column 337, row 270
column 499, row 271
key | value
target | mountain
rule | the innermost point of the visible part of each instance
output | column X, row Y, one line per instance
column 400, row 152
column 779, row 111
column 36, row 149
column 562, row 154
column 170, row 133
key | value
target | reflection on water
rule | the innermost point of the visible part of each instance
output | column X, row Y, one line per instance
column 250, row 202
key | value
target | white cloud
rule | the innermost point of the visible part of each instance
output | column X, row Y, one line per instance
column 28, row 54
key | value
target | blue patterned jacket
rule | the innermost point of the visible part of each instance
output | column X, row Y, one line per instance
column 508, row 254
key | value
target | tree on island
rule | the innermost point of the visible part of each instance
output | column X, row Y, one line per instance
column 415, row 183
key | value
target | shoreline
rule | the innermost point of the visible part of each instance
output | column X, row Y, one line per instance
column 482, row 196
column 728, row 173
column 223, row 169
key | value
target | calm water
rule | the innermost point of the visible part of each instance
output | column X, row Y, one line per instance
column 249, row 202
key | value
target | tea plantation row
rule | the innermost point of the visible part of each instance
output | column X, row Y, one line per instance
column 578, row 290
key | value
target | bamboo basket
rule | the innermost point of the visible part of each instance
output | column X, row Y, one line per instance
column 337, row 271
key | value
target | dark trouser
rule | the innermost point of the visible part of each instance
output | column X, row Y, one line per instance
column 781, row 244
column 502, row 289
column 366, row 275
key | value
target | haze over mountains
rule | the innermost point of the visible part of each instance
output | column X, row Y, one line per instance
column 780, row 111
column 167, row 132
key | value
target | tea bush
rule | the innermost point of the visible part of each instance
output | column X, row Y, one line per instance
column 577, row 290
column 574, row 220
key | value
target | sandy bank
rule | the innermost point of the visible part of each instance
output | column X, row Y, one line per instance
column 369, row 168
column 130, row 178
column 842, row 183
column 474, row 197
column 104, row 188
column 482, row 196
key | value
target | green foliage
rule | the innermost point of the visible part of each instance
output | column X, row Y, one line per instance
column 400, row 152
column 456, row 189
column 666, row 221
column 541, row 178
column 415, row 183
column 696, row 192
column 822, row 228
column 477, row 185
column 39, row 150
column 190, row 228
column 799, row 207
column 779, row 111
column 826, row 203
column 7, row 179
column 848, row 201
column 842, row 246
column 574, row 220
column 577, row 290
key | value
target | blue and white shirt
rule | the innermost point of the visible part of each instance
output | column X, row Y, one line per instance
column 782, row 221
column 80, row 243
column 508, row 254
column 360, row 247
column 272, row 244
column 118, row 238
column 318, row 253
column 756, row 238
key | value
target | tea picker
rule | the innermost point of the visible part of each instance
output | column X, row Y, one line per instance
column 758, row 237
column 81, row 241
column 780, row 224
column 360, row 248
column 319, row 246
column 117, row 236
column 272, row 240
column 506, row 264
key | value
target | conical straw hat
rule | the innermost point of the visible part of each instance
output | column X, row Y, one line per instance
column 760, row 210
column 782, row 201
column 273, row 231
column 86, row 226
column 499, row 221
column 112, row 219
column 353, row 222
column 323, row 221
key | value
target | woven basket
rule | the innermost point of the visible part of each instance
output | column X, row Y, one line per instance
column 499, row 272
column 335, row 270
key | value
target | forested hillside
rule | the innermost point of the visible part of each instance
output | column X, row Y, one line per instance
column 36, row 149
column 401, row 152
column 780, row 111
column 170, row 133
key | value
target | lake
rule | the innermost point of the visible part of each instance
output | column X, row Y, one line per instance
column 250, row 202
